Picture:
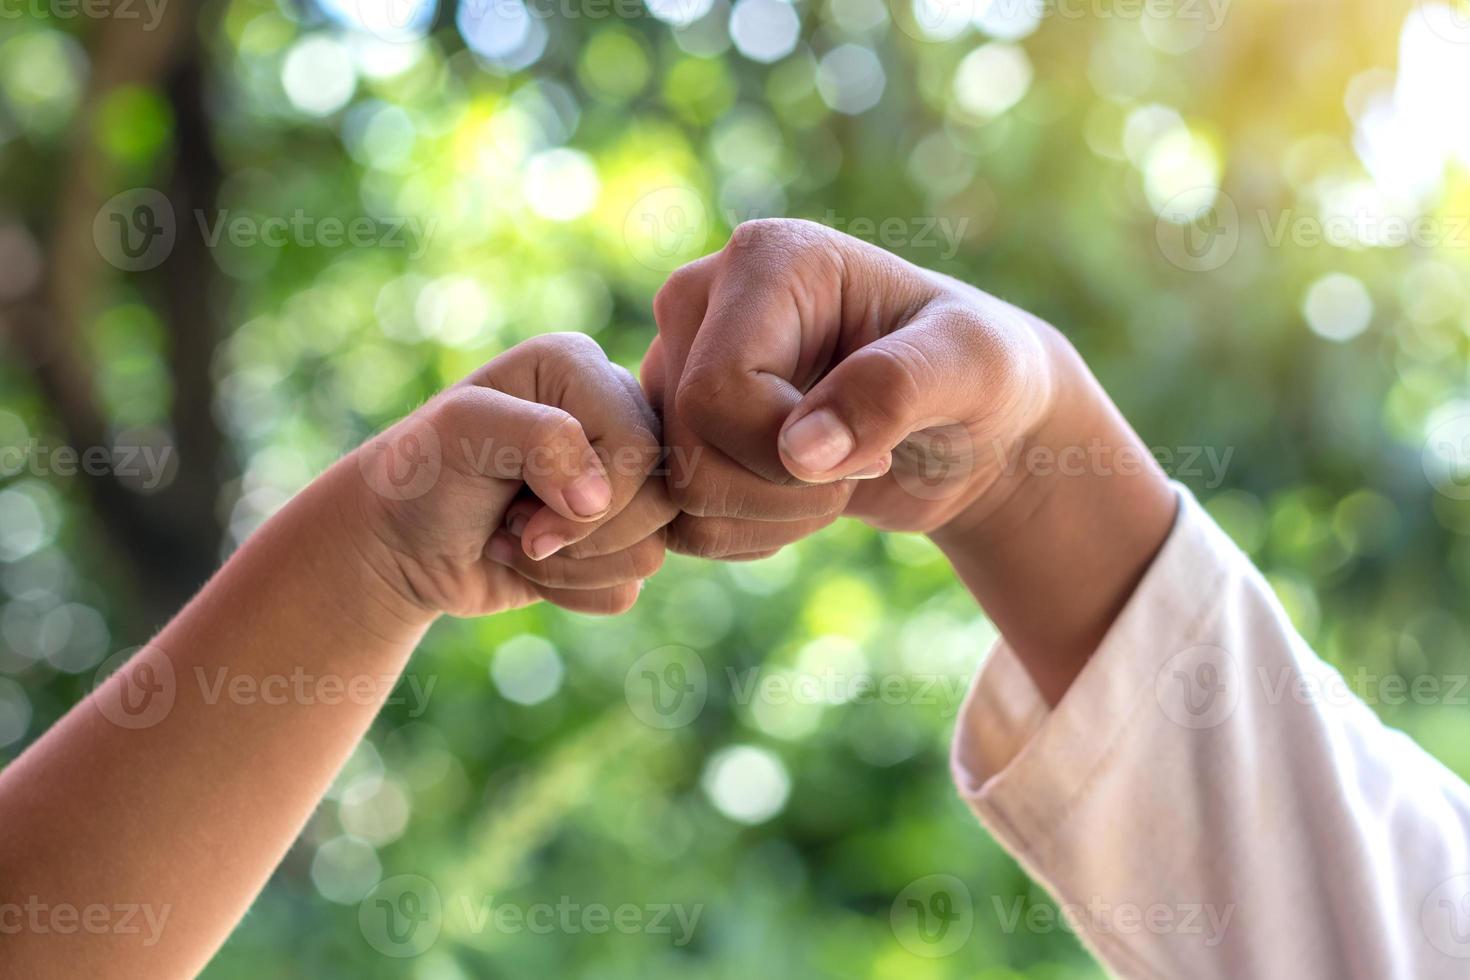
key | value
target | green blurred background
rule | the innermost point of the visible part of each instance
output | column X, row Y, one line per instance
column 1250, row 216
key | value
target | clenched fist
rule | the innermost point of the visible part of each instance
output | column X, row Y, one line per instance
column 803, row 374
column 527, row 480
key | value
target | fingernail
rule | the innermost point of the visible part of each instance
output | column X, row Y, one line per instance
column 589, row 495
column 500, row 550
column 878, row 469
column 818, row 442
column 517, row 524
column 545, row 546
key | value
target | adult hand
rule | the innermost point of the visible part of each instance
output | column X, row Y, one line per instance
column 804, row 374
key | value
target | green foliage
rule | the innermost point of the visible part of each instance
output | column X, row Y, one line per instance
column 1042, row 168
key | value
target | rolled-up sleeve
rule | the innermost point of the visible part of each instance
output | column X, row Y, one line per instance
column 1209, row 800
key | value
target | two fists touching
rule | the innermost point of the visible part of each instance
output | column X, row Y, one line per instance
column 799, row 375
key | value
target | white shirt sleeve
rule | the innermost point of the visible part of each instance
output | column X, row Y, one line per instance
column 1210, row 800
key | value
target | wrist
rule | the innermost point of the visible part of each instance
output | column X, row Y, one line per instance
column 1018, row 474
column 347, row 541
column 1057, row 552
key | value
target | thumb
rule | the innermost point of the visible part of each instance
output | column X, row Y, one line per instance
column 848, row 425
column 540, row 445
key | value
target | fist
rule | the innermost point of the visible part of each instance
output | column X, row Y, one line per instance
column 528, row 480
column 803, row 374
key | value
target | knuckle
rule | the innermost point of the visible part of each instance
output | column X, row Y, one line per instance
column 762, row 234
column 599, row 602
column 554, row 573
column 457, row 410
column 689, row 493
column 703, row 538
column 648, row 557
column 675, row 296
column 781, row 239
column 566, row 342
column 556, row 427
column 555, row 448
column 892, row 389
column 698, row 395
column 688, row 498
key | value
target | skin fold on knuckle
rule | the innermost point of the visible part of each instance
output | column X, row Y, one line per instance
column 693, row 495
column 558, row 447
column 894, row 379
column 552, row 573
column 700, row 400
column 710, row 538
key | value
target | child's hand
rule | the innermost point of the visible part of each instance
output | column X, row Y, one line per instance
column 527, row 480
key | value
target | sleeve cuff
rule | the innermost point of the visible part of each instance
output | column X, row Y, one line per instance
column 1021, row 765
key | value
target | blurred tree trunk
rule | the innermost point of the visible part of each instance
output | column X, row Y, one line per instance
column 167, row 542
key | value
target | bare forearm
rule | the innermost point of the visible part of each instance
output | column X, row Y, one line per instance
column 182, row 800
column 1085, row 510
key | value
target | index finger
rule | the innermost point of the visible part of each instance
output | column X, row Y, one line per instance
column 620, row 427
column 744, row 358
